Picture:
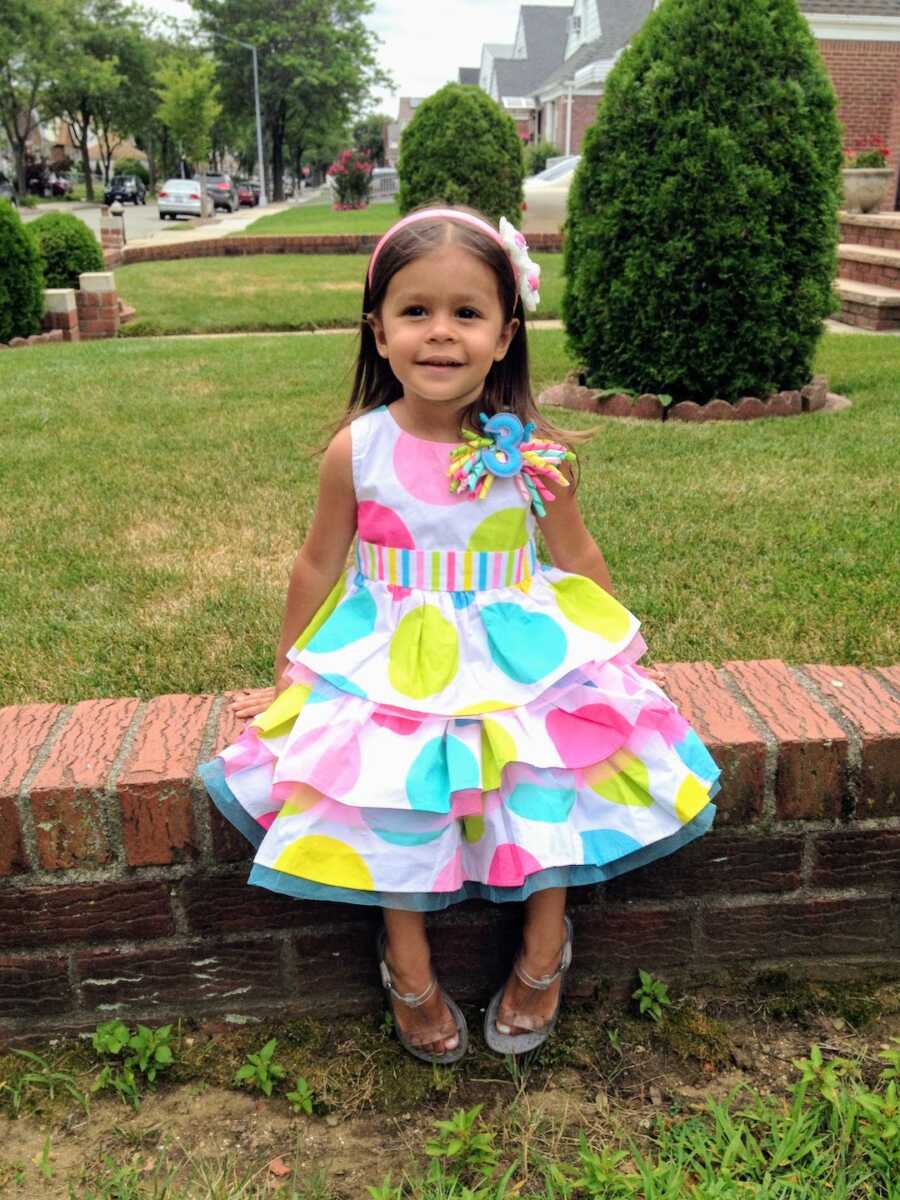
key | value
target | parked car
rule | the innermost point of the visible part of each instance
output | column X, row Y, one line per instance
column 179, row 198
column 547, row 196
column 60, row 185
column 127, row 189
column 222, row 191
column 8, row 190
column 247, row 195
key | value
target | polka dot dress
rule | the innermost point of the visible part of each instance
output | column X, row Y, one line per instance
column 462, row 720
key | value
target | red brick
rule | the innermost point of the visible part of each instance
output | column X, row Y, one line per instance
column 856, row 858
column 87, row 299
column 685, row 410
column 154, row 786
column 720, row 722
column 875, row 714
column 86, row 912
column 172, row 979
column 811, row 773
column 615, row 940
column 23, row 730
column 716, row 863
column 68, row 793
column 804, row 928
column 13, row 859
column 226, row 904
column 34, row 987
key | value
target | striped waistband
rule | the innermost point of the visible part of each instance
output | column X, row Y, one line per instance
column 446, row 570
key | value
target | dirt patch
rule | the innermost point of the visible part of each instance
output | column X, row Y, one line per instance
column 606, row 1074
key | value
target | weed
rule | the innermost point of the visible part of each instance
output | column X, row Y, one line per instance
column 301, row 1098
column 150, row 1052
column 43, row 1078
column 651, row 995
column 260, row 1071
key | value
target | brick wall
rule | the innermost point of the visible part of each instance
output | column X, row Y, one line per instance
column 123, row 888
column 866, row 78
column 286, row 244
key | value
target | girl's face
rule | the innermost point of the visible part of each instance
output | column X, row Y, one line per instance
column 441, row 327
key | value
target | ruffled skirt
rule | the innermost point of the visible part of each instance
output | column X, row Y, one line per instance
column 435, row 747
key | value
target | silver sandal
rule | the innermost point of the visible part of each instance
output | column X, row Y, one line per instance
column 521, row 1043
column 411, row 1000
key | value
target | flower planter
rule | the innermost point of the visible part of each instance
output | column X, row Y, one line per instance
column 865, row 187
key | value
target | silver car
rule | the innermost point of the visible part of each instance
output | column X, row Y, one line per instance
column 179, row 197
column 547, row 196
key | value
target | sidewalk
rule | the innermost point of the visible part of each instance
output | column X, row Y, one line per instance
column 218, row 226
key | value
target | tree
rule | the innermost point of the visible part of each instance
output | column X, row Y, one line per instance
column 316, row 65
column 88, row 80
column 28, row 52
column 368, row 135
column 125, row 110
column 463, row 148
column 701, row 238
column 189, row 107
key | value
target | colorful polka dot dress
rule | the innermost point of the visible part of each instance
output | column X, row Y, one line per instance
column 462, row 720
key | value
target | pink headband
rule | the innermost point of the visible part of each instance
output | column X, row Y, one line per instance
column 434, row 214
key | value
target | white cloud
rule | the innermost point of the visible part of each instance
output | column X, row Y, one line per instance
column 423, row 42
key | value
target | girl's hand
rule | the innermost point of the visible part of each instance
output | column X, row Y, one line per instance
column 252, row 702
column 655, row 675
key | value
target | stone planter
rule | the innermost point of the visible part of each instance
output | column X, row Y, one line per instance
column 865, row 187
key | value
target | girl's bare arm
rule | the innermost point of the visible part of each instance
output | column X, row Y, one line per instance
column 320, row 561
column 570, row 545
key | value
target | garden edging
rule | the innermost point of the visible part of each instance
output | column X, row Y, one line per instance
column 125, row 889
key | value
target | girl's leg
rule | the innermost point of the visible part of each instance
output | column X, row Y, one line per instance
column 408, row 959
column 543, row 936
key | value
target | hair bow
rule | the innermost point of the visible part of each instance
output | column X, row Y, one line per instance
column 528, row 273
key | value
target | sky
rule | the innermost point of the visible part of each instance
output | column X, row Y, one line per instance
column 423, row 42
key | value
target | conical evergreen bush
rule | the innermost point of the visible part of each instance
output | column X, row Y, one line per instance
column 461, row 147
column 702, row 230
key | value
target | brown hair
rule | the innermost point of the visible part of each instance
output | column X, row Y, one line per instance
column 507, row 387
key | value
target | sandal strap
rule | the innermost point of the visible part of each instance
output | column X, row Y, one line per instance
column 541, row 985
column 410, row 999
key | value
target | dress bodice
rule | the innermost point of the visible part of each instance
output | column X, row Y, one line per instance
column 404, row 498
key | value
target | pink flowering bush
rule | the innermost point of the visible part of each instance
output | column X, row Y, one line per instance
column 352, row 175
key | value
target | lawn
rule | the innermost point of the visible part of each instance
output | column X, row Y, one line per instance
column 321, row 218
column 265, row 292
column 155, row 494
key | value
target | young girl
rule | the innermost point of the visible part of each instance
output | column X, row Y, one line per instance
column 452, row 718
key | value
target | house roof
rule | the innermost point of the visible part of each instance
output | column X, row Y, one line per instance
column 469, row 75
column 852, row 8
column 619, row 21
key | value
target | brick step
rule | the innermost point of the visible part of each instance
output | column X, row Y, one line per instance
column 868, row 305
column 881, row 230
column 869, row 264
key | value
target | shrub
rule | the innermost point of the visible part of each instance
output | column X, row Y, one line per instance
column 462, row 148
column 352, row 175
column 536, row 157
column 871, row 151
column 702, row 227
column 21, row 278
column 67, row 247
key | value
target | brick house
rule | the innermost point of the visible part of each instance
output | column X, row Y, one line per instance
column 551, row 77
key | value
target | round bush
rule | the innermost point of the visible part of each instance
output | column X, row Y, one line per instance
column 21, row 278
column 702, row 228
column 461, row 147
column 67, row 247
column 132, row 166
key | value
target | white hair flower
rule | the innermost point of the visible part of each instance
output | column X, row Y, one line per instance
column 528, row 273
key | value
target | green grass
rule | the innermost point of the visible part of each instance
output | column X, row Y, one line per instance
column 321, row 218
column 155, row 494
column 265, row 292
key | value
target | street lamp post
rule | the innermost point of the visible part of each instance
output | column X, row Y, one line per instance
column 263, row 198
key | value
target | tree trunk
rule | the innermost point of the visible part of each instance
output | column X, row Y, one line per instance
column 88, row 173
column 278, row 127
column 19, row 157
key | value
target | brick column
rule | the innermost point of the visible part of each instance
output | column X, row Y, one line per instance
column 112, row 237
column 98, row 305
column 61, row 312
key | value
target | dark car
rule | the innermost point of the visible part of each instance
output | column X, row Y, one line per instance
column 222, row 191
column 247, row 197
column 127, row 189
column 7, row 189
